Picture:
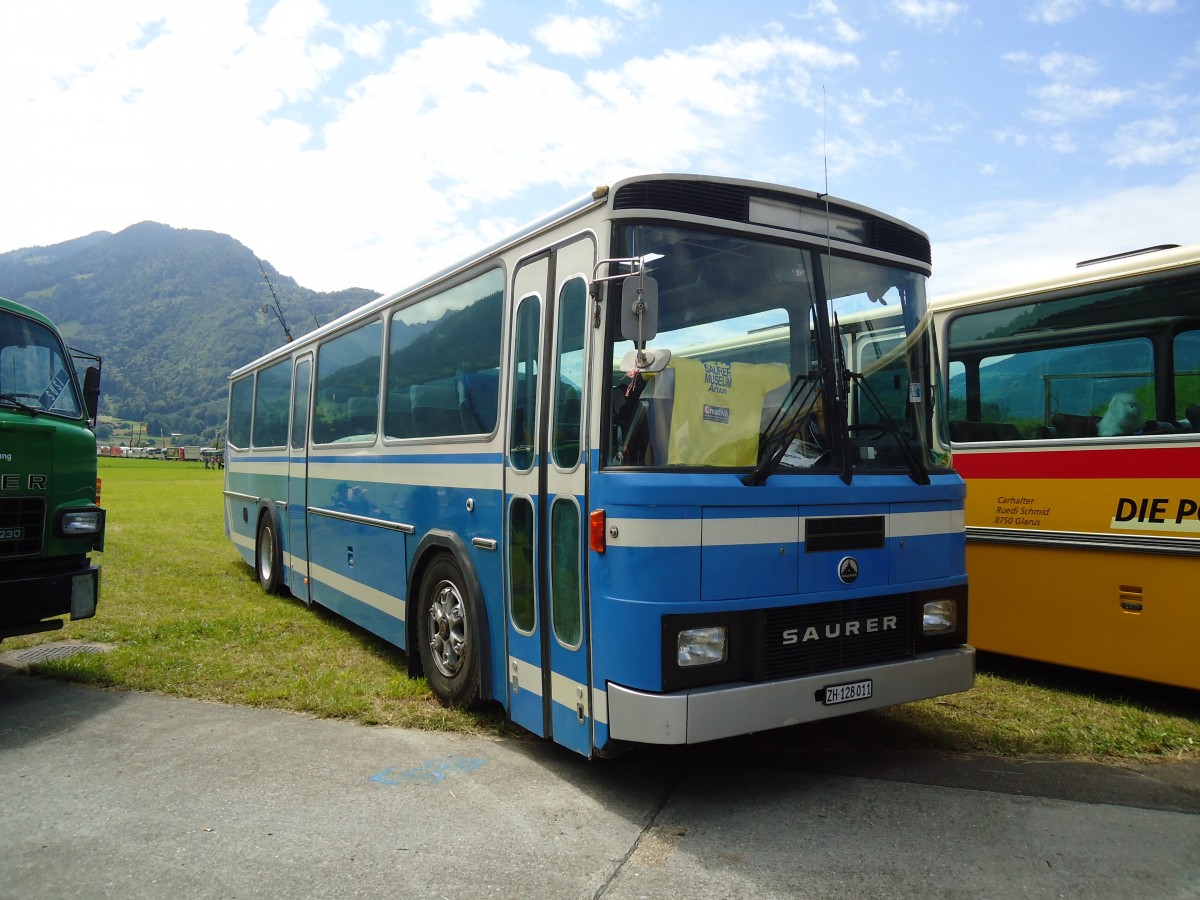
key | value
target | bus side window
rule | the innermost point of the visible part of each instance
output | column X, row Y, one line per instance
column 397, row 416
column 1192, row 414
column 435, row 411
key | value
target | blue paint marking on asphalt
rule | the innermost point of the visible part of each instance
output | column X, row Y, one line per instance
column 431, row 772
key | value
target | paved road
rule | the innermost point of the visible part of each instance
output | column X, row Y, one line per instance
column 128, row 796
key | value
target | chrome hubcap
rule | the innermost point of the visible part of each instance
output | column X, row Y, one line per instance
column 448, row 629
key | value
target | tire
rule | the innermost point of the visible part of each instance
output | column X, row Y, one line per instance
column 268, row 556
column 447, row 634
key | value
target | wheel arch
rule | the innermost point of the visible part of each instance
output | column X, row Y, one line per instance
column 269, row 509
column 438, row 542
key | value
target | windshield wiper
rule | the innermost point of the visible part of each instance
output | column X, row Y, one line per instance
column 916, row 467
column 793, row 413
column 11, row 398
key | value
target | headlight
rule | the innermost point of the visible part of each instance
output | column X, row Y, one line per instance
column 702, row 646
column 81, row 521
column 939, row 617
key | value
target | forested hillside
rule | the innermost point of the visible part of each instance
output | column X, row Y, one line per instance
column 171, row 311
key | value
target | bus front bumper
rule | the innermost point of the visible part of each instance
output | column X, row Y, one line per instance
column 711, row 713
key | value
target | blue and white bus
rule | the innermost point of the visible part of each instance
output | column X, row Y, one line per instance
column 529, row 473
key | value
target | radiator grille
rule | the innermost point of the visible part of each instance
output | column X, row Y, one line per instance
column 842, row 533
column 22, row 524
column 845, row 634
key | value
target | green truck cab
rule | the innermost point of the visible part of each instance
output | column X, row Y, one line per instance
column 50, row 517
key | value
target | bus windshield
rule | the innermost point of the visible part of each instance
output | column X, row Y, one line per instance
column 34, row 370
column 781, row 358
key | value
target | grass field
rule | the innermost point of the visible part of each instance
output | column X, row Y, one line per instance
column 185, row 616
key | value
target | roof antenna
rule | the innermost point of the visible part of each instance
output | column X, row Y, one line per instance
column 824, row 138
column 273, row 307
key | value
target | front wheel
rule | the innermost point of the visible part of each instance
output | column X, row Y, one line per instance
column 447, row 635
column 268, row 556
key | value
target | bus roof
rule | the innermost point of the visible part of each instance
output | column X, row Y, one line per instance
column 1105, row 270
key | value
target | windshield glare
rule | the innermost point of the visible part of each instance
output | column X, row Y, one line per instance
column 755, row 364
column 34, row 373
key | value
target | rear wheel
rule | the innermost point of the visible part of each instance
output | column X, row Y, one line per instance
column 268, row 556
column 447, row 635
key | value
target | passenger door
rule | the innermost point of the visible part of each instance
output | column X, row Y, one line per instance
column 549, row 686
column 296, row 562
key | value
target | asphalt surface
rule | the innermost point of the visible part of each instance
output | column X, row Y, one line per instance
column 120, row 795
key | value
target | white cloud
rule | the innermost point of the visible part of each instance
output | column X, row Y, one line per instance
column 1061, row 102
column 576, row 36
column 935, row 14
column 366, row 41
column 1150, row 6
column 634, row 9
column 890, row 62
column 1055, row 12
column 1153, row 142
column 1013, row 136
column 1068, row 97
column 1068, row 66
column 825, row 15
column 845, row 32
column 448, row 12
column 1062, row 142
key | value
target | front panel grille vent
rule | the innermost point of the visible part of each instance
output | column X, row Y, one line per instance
column 22, row 524
column 846, row 634
column 892, row 238
column 720, row 201
column 843, row 533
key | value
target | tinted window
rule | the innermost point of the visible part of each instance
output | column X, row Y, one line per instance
column 347, row 388
column 444, row 362
column 241, row 399
column 523, row 420
column 568, row 387
column 271, row 403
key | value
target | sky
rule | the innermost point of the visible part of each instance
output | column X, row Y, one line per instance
column 368, row 143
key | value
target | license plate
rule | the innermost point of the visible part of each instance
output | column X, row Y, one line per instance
column 12, row 534
column 847, row 693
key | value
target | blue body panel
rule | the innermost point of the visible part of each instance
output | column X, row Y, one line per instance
column 682, row 566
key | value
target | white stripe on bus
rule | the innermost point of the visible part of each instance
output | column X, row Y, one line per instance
column 744, row 531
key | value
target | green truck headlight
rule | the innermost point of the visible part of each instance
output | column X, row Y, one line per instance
column 82, row 521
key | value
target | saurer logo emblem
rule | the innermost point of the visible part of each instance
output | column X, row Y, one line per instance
column 831, row 630
column 848, row 570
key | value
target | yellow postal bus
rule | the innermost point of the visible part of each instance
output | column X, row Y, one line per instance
column 1074, row 416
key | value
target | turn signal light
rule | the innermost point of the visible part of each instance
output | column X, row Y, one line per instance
column 596, row 531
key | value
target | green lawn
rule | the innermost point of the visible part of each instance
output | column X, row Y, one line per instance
column 185, row 616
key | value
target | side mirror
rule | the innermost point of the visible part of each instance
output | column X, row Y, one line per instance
column 91, row 391
column 639, row 309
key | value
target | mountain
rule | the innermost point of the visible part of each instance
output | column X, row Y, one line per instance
column 171, row 311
